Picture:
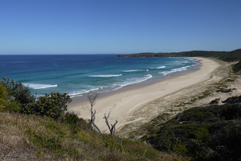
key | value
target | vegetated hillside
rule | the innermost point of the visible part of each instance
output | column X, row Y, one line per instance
column 178, row 54
column 227, row 55
column 202, row 133
column 41, row 129
column 29, row 137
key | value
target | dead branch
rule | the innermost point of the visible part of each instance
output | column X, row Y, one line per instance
column 92, row 100
column 110, row 127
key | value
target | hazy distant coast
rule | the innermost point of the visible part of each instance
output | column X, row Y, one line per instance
column 194, row 53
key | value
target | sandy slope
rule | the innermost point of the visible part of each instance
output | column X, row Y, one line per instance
column 124, row 103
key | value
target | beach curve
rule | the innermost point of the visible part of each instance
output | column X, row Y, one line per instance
column 123, row 103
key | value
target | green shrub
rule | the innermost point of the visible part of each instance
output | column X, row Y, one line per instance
column 233, row 100
column 203, row 133
column 237, row 67
column 53, row 105
column 75, row 122
column 172, row 122
column 198, row 114
column 226, row 141
column 6, row 105
column 17, row 92
column 3, row 98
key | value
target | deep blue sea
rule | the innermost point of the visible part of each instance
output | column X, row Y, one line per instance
column 80, row 74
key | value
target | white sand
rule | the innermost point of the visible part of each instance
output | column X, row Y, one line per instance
column 123, row 103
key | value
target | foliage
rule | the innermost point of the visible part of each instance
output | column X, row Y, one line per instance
column 204, row 133
column 53, row 105
column 233, row 100
column 3, row 97
column 17, row 92
column 226, row 142
column 6, row 105
column 236, row 68
column 75, row 122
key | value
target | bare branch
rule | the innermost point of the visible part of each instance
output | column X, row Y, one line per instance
column 92, row 100
column 112, row 127
column 107, row 122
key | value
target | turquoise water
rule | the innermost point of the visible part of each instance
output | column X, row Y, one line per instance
column 80, row 74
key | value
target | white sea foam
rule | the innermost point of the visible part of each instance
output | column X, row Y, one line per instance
column 106, row 76
column 114, row 86
column 39, row 86
column 132, row 81
column 81, row 92
column 174, row 70
column 161, row 67
column 127, row 71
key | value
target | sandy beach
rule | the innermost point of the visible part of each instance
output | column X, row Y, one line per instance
column 123, row 104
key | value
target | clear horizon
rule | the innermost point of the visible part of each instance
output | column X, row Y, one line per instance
column 118, row 27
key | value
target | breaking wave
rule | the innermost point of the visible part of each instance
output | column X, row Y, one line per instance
column 39, row 86
column 174, row 70
column 132, row 81
column 127, row 71
column 106, row 76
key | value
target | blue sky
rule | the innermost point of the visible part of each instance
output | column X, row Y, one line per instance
column 118, row 26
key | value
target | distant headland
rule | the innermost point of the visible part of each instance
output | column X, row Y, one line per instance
column 194, row 53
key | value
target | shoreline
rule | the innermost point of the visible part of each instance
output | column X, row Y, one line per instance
column 124, row 102
column 193, row 68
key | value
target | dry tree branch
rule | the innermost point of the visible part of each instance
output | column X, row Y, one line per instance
column 92, row 101
column 110, row 127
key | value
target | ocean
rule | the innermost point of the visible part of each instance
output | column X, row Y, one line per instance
column 78, row 75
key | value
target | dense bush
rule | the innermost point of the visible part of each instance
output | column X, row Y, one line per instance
column 204, row 133
column 53, row 105
column 14, row 97
column 6, row 105
column 17, row 92
column 3, row 97
column 75, row 122
column 233, row 100
column 226, row 142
